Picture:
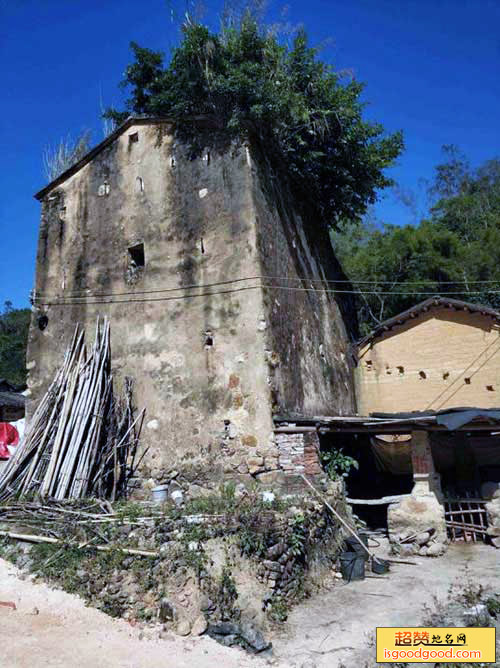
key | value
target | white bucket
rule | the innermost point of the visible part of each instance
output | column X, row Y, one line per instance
column 160, row 493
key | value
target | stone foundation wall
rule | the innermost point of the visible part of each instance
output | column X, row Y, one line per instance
column 417, row 523
column 277, row 466
column 493, row 516
column 282, row 568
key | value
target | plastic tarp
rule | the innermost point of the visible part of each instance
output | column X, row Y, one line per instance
column 392, row 453
column 8, row 436
column 485, row 449
column 455, row 419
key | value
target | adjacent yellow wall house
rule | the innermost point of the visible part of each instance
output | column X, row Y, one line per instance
column 442, row 353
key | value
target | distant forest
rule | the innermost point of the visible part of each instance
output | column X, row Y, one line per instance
column 454, row 249
column 14, row 325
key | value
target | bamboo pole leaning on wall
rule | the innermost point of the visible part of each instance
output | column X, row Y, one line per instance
column 82, row 440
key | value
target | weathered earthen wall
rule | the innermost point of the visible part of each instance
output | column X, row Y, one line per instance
column 211, row 351
column 308, row 346
column 198, row 362
column 442, row 359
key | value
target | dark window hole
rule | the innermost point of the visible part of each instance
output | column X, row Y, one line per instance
column 422, row 375
column 136, row 255
column 490, row 388
column 133, row 138
column 209, row 340
column 467, row 381
column 43, row 321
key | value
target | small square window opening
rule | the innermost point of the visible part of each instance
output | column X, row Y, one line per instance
column 136, row 256
column 209, row 339
column 133, row 138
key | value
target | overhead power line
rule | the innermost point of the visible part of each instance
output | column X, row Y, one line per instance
column 82, row 295
column 110, row 299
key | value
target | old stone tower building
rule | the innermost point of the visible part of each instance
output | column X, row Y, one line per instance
column 221, row 303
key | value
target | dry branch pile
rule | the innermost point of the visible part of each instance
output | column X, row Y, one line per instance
column 81, row 440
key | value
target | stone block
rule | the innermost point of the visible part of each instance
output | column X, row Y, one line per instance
column 200, row 625
column 415, row 515
column 276, row 550
column 436, row 550
column 272, row 566
column 270, row 477
column 422, row 538
column 255, row 464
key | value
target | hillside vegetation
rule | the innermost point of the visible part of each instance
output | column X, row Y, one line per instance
column 14, row 325
column 454, row 250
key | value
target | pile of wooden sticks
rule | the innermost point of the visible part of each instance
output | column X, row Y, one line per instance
column 81, row 441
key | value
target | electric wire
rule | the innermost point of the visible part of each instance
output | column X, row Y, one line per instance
column 279, row 278
column 109, row 299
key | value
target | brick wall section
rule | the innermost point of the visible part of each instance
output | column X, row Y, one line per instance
column 312, row 464
column 299, row 453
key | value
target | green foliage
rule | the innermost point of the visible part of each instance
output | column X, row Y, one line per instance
column 493, row 605
column 225, row 596
column 58, row 563
column 455, row 251
column 130, row 511
column 298, row 537
column 256, row 528
column 299, row 109
column 337, row 464
column 279, row 610
column 14, row 324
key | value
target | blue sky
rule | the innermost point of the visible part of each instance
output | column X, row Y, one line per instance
column 431, row 68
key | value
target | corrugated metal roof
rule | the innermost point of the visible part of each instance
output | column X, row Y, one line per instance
column 452, row 419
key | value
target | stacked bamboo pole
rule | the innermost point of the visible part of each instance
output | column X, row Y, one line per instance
column 81, row 441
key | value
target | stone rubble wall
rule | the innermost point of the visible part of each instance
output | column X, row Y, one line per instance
column 295, row 454
column 417, row 526
column 493, row 517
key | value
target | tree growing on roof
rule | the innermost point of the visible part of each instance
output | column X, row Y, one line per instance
column 306, row 116
column 57, row 159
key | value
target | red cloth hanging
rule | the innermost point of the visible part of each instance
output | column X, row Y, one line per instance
column 8, row 436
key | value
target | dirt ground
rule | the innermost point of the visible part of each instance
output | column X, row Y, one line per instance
column 51, row 628
column 336, row 628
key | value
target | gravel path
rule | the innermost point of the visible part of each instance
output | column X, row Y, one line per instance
column 336, row 627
